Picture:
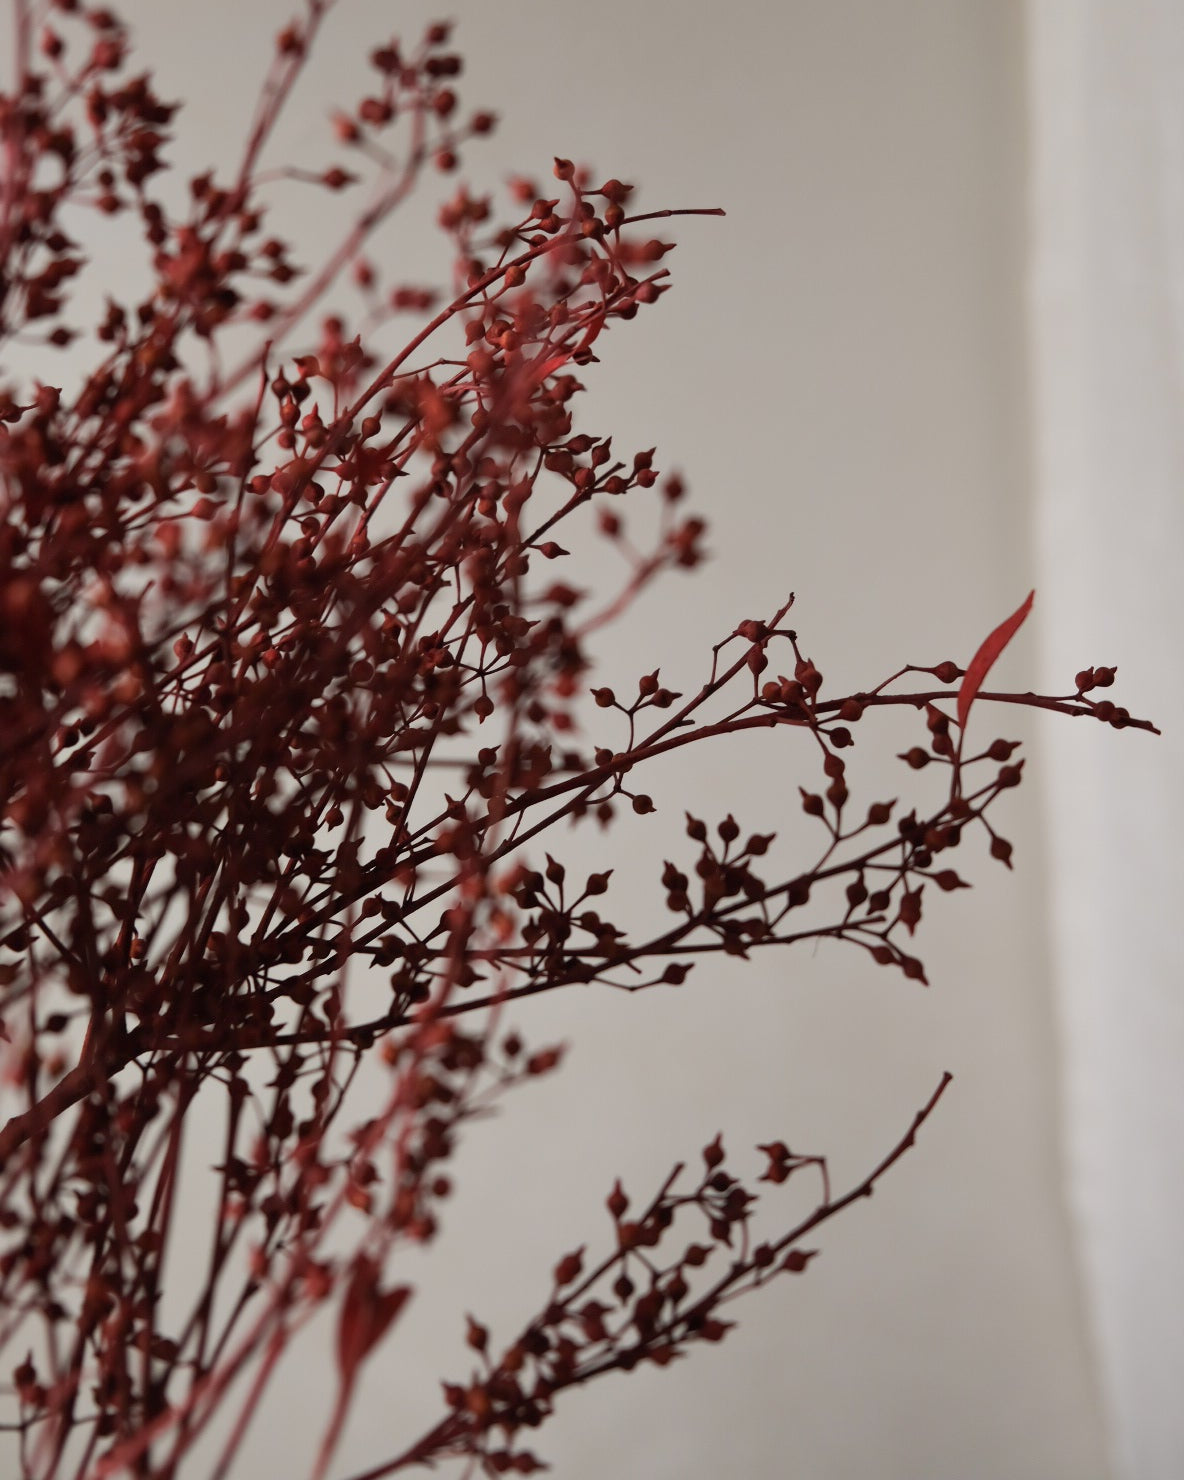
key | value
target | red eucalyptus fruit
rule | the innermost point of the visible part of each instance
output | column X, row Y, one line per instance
column 291, row 678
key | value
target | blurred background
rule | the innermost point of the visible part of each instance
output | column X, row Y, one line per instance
column 930, row 358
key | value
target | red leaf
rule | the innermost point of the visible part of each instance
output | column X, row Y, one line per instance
column 984, row 660
column 366, row 1315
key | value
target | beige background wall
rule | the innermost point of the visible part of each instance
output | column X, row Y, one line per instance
column 840, row 374
column 1106, row 300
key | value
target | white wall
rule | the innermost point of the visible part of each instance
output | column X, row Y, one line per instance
column 840, row 372
column 1108, row 339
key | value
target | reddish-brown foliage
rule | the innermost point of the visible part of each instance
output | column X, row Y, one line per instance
column 290, row 678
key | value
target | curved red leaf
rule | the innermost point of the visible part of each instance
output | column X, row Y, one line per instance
column 366, row 1314
column 984, row 660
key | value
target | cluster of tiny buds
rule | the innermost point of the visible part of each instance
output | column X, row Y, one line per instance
column 1104, row 709
column 638, row 1305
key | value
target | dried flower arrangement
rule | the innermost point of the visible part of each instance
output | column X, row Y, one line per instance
column 289, row 680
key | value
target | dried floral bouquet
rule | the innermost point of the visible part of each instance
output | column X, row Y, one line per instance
column 291, row 680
